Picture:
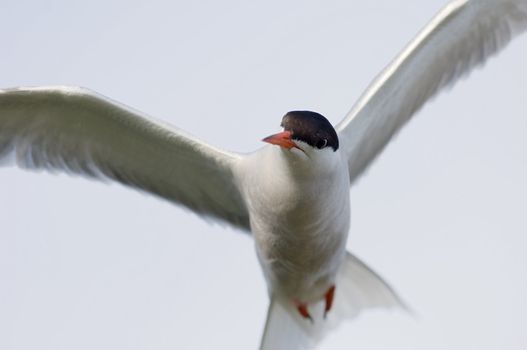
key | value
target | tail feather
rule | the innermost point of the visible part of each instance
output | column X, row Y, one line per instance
column 283, row 331
column 361, row 288
column 358, row 288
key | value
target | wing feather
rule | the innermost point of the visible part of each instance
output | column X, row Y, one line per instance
column 81, row 132
column 460, row 37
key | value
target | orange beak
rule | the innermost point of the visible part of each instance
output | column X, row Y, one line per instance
column 282, row 139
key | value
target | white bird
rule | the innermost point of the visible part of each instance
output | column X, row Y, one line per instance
column 292, row 195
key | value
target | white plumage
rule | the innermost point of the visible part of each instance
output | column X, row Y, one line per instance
column 76, row 130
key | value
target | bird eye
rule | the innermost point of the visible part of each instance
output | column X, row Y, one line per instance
column 322, row 143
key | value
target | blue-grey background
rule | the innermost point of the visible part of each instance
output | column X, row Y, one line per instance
column 441, row 214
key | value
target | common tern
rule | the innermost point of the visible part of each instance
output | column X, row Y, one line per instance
column 293, row 194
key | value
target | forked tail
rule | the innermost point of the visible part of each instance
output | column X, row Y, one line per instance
column 358, row 288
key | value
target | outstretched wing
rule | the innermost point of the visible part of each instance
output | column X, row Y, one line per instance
column 460, row 37
column 79, row 131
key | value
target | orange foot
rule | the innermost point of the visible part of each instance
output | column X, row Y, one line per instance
column 330, row 294
column 302, row 309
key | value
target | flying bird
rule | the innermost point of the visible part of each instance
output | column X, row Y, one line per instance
column 293, row 194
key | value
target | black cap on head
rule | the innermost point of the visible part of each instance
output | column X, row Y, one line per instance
column 312, row 128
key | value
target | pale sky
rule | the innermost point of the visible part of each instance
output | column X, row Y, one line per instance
column 441, row 214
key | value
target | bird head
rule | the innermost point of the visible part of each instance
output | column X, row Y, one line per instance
column 307, row 131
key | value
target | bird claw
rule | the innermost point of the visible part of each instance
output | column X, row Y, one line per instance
column 302, row 309
column 330, row 294
column 328, row 297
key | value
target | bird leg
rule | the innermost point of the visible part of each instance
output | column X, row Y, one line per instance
column 330, row 294
column 302, row 309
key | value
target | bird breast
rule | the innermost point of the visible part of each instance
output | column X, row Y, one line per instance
column 300, row 219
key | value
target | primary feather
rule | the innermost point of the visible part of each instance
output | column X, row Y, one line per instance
column 79, row 131
column 460, row 37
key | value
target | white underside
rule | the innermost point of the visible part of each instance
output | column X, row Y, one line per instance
column 300, row 219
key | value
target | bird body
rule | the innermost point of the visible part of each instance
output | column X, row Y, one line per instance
column 292, row 195
column 301, row 218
